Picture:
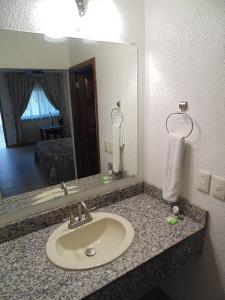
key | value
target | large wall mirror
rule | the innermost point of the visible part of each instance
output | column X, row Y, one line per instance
column 68, row 113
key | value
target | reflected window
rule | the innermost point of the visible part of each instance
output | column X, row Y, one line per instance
column 39, row 106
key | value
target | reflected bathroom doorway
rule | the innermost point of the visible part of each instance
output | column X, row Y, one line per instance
column 85, row 117
column 2, row 134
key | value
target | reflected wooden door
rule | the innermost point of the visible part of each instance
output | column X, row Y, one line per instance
column 85, row 118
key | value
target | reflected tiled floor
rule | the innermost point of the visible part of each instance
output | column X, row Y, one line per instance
column 19, row 173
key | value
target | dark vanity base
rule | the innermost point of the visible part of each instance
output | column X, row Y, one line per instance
column 155, row 294
column 137, row 283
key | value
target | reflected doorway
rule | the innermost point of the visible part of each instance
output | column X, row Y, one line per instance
column 85, row 118
column 2, row 133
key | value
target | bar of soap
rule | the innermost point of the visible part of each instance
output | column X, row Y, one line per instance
column 105, row 179
column 171, row 220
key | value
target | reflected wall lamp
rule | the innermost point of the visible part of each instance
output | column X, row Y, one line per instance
column 82, row 6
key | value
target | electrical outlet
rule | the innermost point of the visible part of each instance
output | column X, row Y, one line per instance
column 218, row 187
column 203, row 181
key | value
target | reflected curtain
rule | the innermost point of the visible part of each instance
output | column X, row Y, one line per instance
column 52, row 86
column 20, row 89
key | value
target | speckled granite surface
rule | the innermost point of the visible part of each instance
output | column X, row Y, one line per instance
column 196, row 213
column 26, row 272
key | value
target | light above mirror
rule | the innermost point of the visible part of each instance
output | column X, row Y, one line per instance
column 82, row 7
column 57, row 18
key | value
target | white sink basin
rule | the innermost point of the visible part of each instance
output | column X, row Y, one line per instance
column 94, row 244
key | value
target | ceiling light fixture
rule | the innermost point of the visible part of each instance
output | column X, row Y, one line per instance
column 82, row 6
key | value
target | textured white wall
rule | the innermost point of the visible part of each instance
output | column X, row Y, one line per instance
column 185, row 61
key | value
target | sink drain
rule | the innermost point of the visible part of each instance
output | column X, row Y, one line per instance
column 90, row 252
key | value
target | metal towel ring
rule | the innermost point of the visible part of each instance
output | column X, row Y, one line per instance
column 186, row 115
column 118, row 110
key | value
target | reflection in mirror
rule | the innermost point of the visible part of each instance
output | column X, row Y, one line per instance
column 38, row 148
column 56, row 120
column 85, row 118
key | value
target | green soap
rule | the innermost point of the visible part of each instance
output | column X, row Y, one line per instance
column 172, row 220
column 105, row 177
column 106, row 181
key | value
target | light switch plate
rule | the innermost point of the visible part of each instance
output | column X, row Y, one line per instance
column 203, row 181
column 218, row 187
column 106, row 146
column 110, row 147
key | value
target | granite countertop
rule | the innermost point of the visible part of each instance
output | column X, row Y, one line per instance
column 26, row 273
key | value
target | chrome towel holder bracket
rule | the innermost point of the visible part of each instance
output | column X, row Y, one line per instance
column 117, row 110
column 183, row 107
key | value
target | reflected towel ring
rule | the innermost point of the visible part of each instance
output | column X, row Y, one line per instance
column 186, row 115
column 117, row 109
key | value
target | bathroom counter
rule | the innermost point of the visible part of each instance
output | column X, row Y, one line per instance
column 157, row 249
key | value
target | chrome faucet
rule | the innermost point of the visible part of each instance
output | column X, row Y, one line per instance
column 64, row 188
column 87, row 214
column 84, row 216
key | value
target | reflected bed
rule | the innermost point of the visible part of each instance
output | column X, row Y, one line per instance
column 55, row 157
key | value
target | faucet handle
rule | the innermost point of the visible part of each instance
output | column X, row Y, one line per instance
column 64, row 188
column 72, row 216
column 71, row 219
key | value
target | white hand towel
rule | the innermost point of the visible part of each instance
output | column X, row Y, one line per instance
column 122, row 137
column 116, row 148
column 174, row 162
